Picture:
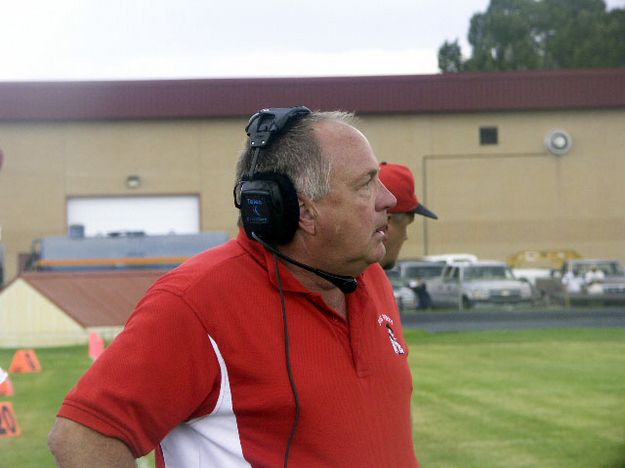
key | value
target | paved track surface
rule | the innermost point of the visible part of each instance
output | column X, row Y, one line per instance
column 514, row 320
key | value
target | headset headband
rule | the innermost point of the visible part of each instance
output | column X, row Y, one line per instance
column 268, row 123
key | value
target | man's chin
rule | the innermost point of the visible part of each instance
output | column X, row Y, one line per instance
column 388, row 260
column 384, row 259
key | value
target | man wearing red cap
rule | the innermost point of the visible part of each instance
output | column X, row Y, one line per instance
column 400, row 182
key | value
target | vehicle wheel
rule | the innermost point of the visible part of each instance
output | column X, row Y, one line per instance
column 466, row 302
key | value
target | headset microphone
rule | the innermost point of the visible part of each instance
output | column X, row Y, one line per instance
column 347, row 284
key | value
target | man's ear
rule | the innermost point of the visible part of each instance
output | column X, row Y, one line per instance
column 307, row 215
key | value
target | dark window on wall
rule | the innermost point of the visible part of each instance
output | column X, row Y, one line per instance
column 489, row 136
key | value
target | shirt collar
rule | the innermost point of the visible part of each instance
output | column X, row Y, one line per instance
column 266, row 259
column 289, row 282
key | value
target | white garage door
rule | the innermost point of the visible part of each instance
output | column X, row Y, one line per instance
column 154, row 215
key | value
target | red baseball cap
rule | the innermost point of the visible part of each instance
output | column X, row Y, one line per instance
column 400, row 181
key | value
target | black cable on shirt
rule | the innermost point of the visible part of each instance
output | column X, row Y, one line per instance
column 287, row 352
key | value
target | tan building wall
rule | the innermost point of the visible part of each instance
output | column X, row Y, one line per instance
column 491, row 200
column 495, row 200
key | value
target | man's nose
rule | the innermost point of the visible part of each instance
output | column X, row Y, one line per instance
column 386, row 200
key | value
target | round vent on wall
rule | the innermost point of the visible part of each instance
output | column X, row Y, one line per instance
column 558, row 142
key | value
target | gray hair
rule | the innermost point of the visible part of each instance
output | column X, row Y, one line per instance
column 298, row 155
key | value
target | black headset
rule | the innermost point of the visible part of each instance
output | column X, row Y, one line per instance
column 268, row 200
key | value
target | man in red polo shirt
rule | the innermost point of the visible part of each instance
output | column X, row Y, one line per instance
column 279, row 347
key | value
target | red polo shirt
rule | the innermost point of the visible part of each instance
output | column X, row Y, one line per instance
column 200, row 372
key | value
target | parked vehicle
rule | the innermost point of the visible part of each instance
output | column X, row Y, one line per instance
column 534, row 264
column 410, row 271
column 572, row 283
column 531, row 275
column 415, row 274
column 467, row 285
column 404, row 296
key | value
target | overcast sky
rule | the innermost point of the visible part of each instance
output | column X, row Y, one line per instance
column 174, row 39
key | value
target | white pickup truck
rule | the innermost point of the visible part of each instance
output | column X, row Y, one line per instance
column 466, row 285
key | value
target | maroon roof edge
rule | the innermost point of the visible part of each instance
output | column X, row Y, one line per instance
column 453, row 92
column 94, row 298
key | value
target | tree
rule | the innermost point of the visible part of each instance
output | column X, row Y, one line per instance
column 614, row 42
column 574, row 33
column 529, row 34
column 450, row 57
column 504, row 38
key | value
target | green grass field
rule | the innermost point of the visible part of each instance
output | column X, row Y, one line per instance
column 540, row 398
column 547, row 398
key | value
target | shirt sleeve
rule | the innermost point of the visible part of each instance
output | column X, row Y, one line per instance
column 160, row 371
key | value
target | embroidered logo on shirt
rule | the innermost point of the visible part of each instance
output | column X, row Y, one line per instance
column 391, row 336
column 397, row 347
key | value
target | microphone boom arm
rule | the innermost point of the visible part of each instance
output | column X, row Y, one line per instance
column 347, row 284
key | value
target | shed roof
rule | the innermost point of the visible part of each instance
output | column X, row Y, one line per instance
column 448, row 92
column 94, row 298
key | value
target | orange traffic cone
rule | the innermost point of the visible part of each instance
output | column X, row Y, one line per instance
column 8, row 422
column 6, row 387
column 25, row 360
column 96, row 345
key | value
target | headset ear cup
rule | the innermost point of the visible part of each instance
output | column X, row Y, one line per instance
column 290, row 210
column 270, row 208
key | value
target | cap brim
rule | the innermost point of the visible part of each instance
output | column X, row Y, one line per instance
column 423, row 211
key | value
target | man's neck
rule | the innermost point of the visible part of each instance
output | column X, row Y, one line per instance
column 331, row 294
